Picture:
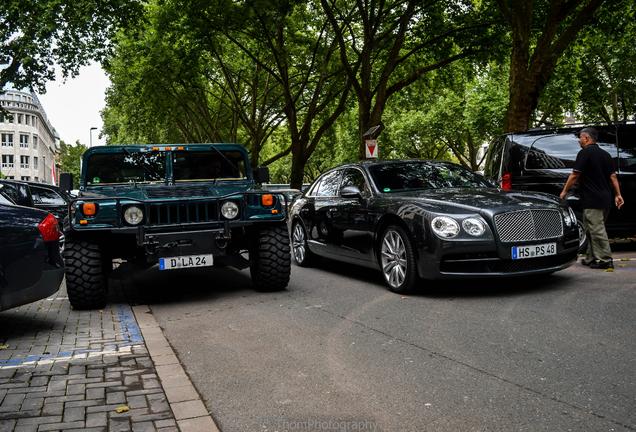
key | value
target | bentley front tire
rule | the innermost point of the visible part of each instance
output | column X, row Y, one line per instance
column 270, row 261
column 302, row 255
column 85, row 275
column 397, row 260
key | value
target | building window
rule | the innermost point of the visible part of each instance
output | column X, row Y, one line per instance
column 35, row 162
column 10, row 177
column 27, row 119
column 35, row 141
column 19, row 118
column 25, row 178
column 36, row 179
column 24, row 141
column 7, row 140
column 24, row 161
column 35, row 121
column 7, row 161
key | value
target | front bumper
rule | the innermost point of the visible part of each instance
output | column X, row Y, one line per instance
column 450, row 260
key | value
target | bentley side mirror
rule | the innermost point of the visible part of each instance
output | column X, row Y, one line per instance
column 261, row 174
column 351, row 192
column 66, row 182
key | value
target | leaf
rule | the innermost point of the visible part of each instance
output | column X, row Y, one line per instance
column 122, row 409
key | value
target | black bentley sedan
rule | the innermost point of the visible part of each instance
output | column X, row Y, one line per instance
column 415, row 219
column 31, row 267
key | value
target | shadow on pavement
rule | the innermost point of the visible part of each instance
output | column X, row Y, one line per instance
column 492, row 287
column 15, row 324
column 152, row 286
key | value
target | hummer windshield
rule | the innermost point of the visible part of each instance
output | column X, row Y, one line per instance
column 208, row 165
column 152, row 166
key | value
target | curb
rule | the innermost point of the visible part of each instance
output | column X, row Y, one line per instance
column 185, row 402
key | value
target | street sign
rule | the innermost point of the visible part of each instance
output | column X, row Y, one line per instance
column 371, row 148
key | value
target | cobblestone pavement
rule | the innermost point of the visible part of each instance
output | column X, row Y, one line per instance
column 62, row 369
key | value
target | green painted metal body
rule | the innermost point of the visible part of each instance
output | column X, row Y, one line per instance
column 170, row 205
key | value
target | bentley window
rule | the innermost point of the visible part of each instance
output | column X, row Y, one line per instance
column 413, row 175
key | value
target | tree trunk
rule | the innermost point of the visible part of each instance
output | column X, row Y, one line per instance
column 297, row 171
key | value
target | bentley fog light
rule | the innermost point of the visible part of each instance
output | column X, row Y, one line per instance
column 133, row 215
column 445, row 227
column 229, row 210
column 474, row 227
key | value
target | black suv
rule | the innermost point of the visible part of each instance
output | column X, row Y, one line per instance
column 541, row 160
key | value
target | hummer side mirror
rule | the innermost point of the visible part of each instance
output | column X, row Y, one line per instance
column 66, row 182
column 261, row 174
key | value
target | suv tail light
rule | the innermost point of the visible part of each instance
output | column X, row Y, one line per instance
column 506, row 181
column 49, row 228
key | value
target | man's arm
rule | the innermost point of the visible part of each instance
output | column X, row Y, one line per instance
column 572, row 179
column 618, row 198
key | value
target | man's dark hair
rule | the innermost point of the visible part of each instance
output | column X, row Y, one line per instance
column 591, row 132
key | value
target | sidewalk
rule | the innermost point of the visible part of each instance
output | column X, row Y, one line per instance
column 92, row 371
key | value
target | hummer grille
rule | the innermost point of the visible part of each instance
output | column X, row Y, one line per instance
column 182, row 213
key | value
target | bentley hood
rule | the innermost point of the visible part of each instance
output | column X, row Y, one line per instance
column 477, row 200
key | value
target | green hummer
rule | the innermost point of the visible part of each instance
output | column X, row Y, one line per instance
column 175, row 206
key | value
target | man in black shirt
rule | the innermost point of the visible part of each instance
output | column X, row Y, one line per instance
column 594, row 172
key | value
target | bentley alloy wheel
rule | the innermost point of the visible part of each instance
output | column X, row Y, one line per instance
column 397, row 260
column 301, row 252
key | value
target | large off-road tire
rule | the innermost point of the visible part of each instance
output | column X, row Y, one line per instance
column 270, row 260
column 397, row 260
column 85, row 275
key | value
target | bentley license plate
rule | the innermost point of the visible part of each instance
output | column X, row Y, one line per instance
column 185, row 262
column 533, row 251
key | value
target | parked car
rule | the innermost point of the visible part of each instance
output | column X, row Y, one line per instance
column 541, row 160
column 37, row 195
column 31, row 267
column 415, row 219
column 178, row 207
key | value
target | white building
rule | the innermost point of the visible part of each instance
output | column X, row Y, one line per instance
column 28, row 142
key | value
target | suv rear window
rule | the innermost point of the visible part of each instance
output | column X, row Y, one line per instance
column 559, row 151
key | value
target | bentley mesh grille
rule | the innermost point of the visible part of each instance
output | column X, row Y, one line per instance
column 527, row 225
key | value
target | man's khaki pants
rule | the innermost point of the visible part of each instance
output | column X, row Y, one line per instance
column 598, row 247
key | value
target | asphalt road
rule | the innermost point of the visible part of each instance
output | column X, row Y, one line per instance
column 337, row 351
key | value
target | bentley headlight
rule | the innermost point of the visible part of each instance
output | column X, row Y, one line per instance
column 133, row 215
column 474, row 227
column 445, row 227
column 229, row 210
column 572, row 215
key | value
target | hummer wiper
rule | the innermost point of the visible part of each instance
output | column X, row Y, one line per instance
column 232, row 164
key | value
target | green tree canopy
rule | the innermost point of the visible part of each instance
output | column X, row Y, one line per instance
column 37, row 34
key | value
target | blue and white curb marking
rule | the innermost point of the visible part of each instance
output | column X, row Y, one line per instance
column 129, row 330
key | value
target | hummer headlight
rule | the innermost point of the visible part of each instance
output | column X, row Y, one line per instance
column 229, row 210
column 133, row 215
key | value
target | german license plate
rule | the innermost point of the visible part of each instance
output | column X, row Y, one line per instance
column 533, row 251
column 188, row 261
